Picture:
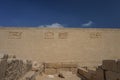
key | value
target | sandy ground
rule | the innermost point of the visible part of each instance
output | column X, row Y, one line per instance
column 67, row 75
column 46, row 77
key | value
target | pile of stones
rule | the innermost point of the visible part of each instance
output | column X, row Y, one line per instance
column 12, row 68
column 109, row 70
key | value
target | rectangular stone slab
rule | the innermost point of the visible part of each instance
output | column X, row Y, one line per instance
column 109, row 65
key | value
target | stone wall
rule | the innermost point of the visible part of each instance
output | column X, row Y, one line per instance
column 87, row 46
column 55, row 68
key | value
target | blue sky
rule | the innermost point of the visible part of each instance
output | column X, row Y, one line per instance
column 67, row 13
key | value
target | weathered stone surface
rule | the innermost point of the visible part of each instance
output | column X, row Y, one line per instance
column 79, row 45
column 13, row 69
column 109, row 65
column 61, row 65
column 53, row 65
column 63, row 69
column 29, row 76
column 83, row 72
column 118, row 66
column 50, row 71
column 3, row 68
column 69, row 65
column 100, row 74
column 73, row 70
column 112, row 75
column 65, row 74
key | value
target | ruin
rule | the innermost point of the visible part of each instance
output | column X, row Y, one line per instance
column 87, row 54
column 12, row 68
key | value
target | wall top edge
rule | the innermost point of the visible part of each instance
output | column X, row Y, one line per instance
column 37, row 28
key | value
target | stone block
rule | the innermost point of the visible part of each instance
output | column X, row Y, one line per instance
column 112, row 75
column 84, row 73
column 61, row 65
column 53, row 65
column 73, row 70
column 118, row 66
column 109, row 65
column 50, row 71
column 69, row 65
column 100, row 74
column 3, row 68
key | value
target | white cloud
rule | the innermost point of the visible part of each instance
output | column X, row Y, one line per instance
column 87, row 24
column 54, row 25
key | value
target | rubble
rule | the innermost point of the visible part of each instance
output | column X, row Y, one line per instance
column 109, row 70
column 12, row 68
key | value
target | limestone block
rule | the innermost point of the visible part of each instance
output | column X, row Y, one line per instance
column 118, row 76
column 83, row 72
column 100, row 74
column 112, row 75
column 53, row 65
column 69, row 65
column 73, row 70
column 109, row 65
column 118, row 66
column 50, row 71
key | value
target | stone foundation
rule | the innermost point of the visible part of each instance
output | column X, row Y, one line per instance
column 53, row 68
